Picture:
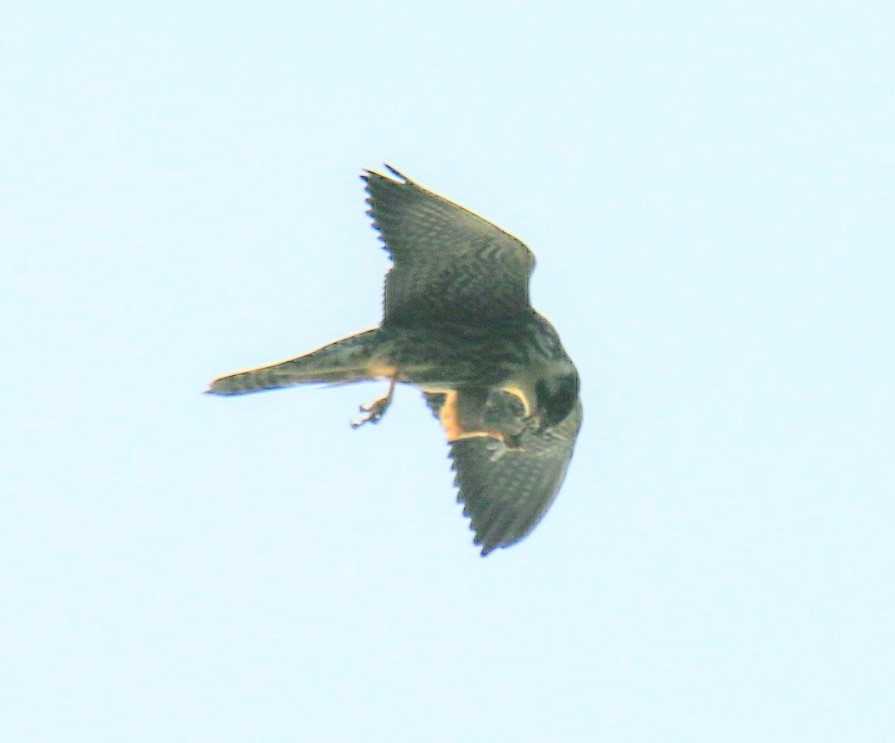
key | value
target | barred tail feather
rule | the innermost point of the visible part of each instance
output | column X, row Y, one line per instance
column 345, row 360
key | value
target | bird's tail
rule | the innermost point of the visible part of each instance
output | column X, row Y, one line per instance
column 347, row 360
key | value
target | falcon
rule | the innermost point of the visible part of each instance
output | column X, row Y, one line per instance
column 458, row 325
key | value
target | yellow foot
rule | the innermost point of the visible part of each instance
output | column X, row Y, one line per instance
column 373, row 412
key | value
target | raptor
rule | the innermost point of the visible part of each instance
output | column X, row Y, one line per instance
column 458, row 325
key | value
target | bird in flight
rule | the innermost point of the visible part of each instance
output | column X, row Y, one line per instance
column 458, row 325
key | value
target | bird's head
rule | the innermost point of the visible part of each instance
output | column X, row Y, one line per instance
column 556, row 397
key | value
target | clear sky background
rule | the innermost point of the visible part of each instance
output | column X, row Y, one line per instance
column 709, row 190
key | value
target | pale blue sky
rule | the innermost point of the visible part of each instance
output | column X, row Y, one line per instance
column 709, row 190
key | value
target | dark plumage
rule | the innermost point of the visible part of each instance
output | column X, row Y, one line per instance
column 457, row 323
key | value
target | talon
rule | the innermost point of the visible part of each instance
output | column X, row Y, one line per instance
column 374, row 411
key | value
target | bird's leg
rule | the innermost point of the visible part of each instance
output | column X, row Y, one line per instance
column 374, row 411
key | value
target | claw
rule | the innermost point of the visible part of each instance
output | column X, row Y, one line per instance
column 374, row 411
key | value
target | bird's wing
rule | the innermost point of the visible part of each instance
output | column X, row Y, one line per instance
column 506, row 492
column 448, row 262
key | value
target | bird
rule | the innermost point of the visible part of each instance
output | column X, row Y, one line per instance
column 458, row 325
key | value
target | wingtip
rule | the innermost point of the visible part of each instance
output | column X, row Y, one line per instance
column 397, row 173
column 366, row 174
column 486, row 548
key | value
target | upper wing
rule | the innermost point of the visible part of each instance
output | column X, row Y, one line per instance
column 448, row 262
column 506, row 493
